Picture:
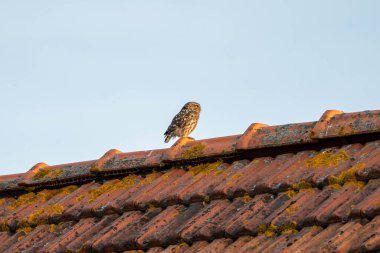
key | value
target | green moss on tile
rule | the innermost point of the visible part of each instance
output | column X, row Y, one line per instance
column 194, row 152
column 327, row 158
column 47, row 173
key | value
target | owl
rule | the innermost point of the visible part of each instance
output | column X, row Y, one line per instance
column 184, row 122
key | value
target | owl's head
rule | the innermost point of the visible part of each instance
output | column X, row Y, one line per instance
column 193, row 106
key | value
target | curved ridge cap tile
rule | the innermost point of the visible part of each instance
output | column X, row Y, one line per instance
column 258, row 136
column 335, row 123
column 40, row 174
column 30, row 174
column 133, row 160
column 99, row 164
column 187, row 149
column 243, row 142
column 10, row 182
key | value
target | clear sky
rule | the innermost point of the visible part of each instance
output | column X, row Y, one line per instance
column 80, row 77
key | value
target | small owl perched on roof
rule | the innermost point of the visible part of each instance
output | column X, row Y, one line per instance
column 184, row 122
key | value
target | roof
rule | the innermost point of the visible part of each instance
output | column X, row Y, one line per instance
column 307, row 187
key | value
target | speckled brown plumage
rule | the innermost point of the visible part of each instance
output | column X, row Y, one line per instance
column 184, row 122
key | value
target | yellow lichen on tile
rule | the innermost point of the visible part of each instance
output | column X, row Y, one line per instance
column 292, row 209
column 67, row 190
column 24, row 199
column 40, row 216
column 148, row 178
column 53, row 227
column 194, row 152
column 126, row 182
column 151, row 206
column 327, row 158
column 79, row 198
column 346, row 176
column 255, row 161
column 291, row 193
column 268, row 231
column 289, row 228
column 129, row 181
column 181, row 245
column 42, row 196
column 254, row 244
column 301, row 186
column 206, row 201
column 204, row 168
column 26, row 230
column 246, row 198
column 3, row 225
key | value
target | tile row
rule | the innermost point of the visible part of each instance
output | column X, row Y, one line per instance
column 356, row 164
column 202, row 221
column 132, row 232
column 333, row 124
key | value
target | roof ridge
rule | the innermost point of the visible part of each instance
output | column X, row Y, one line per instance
column 258, row 139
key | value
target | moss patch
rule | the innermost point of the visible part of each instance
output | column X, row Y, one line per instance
column 149, row 178
column 327, row 158
column 126, row 182
column 292, row 209
column 3, row 225
column 271, row 230
column 41, row 215
column 246, row 198
column 47, row 173
column 204, row 168
column 301, row 186
column 347, row 176
column 289, row 228
column 194, row 152
column 42, row 196
column 206, row 201
column 268, row 231
column 25, row 230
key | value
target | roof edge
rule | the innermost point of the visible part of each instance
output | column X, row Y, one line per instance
column 332, row 125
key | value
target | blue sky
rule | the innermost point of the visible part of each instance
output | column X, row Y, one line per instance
column 78, row 78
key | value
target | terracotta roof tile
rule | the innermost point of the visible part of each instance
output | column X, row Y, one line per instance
column 337, row 123
column 273, row 136
column 308, row 187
